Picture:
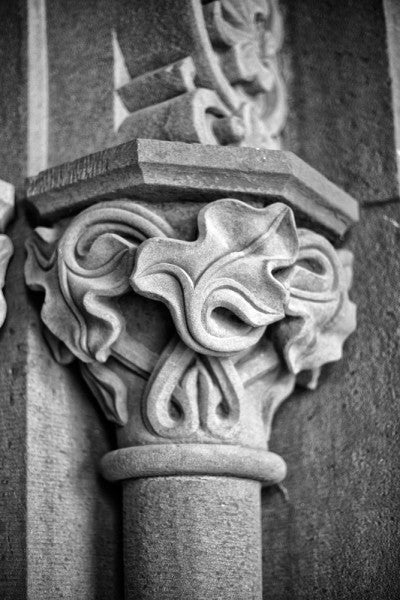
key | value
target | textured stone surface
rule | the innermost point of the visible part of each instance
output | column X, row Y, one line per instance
column 12, row 90
column 340, row 108
column 74, row 523
column 80, row 77
column 13, row 522
column 337, row 533
column 13, row 430
column 192, row 537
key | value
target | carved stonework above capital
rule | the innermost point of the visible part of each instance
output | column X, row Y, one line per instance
column 213, row 76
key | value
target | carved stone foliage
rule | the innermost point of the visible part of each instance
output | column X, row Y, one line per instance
column 226, row 87
column 225, row 288
column 254, row 304
column 6, row 247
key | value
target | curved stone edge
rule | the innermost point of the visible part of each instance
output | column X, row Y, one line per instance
column 164, row 460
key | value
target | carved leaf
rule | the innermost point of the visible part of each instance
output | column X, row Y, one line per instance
column 109, row 389
column 6, row 252
column 320, row 315
column 223, row 289
column 84, row 270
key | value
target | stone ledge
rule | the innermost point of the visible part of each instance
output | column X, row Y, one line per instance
column 159, row 171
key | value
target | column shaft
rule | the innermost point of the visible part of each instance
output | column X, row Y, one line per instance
column 196, row 538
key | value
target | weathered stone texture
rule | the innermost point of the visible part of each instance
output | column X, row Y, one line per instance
column 340, row 107
column 80, row 77
column 12, row 90
column 74, row 525
column 13, row 500
column 192, row 537
column 12, row 346
column 337, row 534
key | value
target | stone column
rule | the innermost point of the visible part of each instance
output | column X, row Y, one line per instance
column 192, row 516
column 193, row 303
column 192, row 537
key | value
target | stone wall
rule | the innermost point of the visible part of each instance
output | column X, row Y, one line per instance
column 335, row 532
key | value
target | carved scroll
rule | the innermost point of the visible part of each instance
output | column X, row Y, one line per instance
column 255, row 303
column 225, row 88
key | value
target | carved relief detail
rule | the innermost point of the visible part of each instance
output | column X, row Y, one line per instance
column 246, row 38
column 228, row 285
column 255, row 303
column 83, row 271
column 229, row 90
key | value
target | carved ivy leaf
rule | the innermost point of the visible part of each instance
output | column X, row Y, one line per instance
column 320, row 315
column 228, row 285
column 85, row 269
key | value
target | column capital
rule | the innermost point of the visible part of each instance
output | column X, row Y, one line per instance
column 191, row 321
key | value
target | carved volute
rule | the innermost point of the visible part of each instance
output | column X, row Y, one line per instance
column 191, row 319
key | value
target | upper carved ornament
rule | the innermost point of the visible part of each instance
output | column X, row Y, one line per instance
column 226, row 87
column 255, row 303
